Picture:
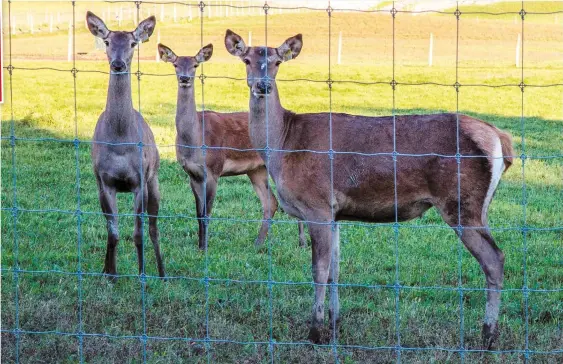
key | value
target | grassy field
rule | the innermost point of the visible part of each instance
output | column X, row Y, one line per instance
column 52, row 242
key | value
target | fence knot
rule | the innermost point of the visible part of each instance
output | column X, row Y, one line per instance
column 522, row 13
column 393, row 11
column 522, row 85
column 393, row 84
column 76, row 142
column 74, row 71
column 12, row 140
column 78, row 212
column 329, row 10
column 138, row 4
column 394, row 155
column 140, row 145
column 201, row 6
column 266, row 7
column 457, row 85
column 331, row 154
column 202, row 78
column 329, row 82
column 10, row 69
column 457, row 13
column 523, row 156
column 458, row 158
column 396, row 227
column 459, row 228
column 138, row 74
column 14, row 211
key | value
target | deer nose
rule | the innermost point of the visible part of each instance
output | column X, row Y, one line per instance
column 118, row 65
column 264, row 87
column 184, row 79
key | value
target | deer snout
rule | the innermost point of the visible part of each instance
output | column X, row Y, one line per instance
column 184, row 79
column 264, row 87
column 118, row 66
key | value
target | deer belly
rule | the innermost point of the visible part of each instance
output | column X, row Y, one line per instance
column 241, row 166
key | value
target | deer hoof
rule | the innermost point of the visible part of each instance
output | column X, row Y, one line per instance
column 490, row 334
column 315, row 335
column 111, row 276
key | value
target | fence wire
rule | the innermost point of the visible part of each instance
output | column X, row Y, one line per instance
column 16, row 271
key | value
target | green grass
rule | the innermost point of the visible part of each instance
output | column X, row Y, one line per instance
column 429, row 254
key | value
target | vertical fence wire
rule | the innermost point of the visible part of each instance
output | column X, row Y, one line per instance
column 79, row 276
column 524, row 198
column 333, row 224
column 14, row 212
column 206, row 220
column 459, row 228
column 267, row 155
column 397, row 285
column 334, row 346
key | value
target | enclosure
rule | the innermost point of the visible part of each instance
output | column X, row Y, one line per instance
column 409, row 292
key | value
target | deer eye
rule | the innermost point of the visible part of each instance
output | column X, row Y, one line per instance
column 196, row 65
column 106, row 43
column 175, row 65
column 246, row 61
column 278, row 63
column 133, row 45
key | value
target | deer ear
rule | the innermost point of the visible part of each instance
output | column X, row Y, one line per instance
column 96, row 25
column 204, row 53
column 144, row 29
column 234, row 43
column 166, row 54
column 291, row 48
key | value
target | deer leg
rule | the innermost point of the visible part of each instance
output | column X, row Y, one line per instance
column 321, row 256
column 302, row 237
column 259, row 179
column 109, row 208
column 203, row 208
column 334, row 307
column 152, row 209
column 141, row 201
column 482, row 246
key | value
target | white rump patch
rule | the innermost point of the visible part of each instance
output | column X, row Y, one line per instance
column 497, row 162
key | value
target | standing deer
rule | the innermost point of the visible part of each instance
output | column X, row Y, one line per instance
column 128, row 167
column 228, row 131
column 364, row 186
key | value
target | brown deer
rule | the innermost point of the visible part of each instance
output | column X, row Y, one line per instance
column 364, row 186
column 227, row 133
column 133, row 166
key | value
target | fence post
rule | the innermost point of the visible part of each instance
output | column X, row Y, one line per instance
column 518, row 51
column 249, row 38
column 51, row 24
column 339, row 59
column 161, row 12
column 430, row 50
column 70, row 50
column 174, row 13
column 158, row 42
column 31, row 24
column 13, row 25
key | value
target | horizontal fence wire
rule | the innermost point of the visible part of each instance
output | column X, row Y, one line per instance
column 15, row 210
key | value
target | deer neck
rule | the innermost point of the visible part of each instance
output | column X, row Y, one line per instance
column 266, row 120
column 188, row 126
column 119, row 112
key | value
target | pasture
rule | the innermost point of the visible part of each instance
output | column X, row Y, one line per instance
column 242, row 297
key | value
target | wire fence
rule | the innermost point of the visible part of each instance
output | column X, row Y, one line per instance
column 265, row 9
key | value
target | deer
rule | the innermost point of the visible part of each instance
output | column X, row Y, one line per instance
column 386, row 169
column 124, row 155
column 231, row 153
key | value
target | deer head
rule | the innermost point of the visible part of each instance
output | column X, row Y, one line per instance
column 262, row 63
column 120, row 45
column 185, row 66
